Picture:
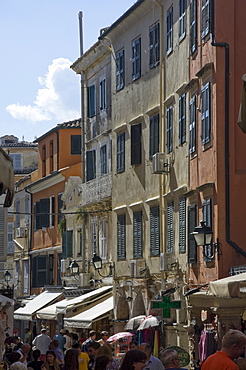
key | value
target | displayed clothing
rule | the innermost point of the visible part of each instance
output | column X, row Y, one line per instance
column 219, row 361
column 207, row 344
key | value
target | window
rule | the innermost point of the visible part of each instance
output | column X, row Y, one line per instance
column 182, row 225
column 60, row 205
column 154, row 231
column 193, row 26
column 16, row 274
column 169, row 129
column 27, row 210
column 137, row 235
column 136, row 58
column 42, row 211
column 104, row 239
column 90, row 165
column 121, row 236
column 39, row 271
column 205, row 22
column 52, row 211
column 17, row 216
column 154, row 135
column 3, row 226
column 26, row 277
column 17, row 160
column 103, row 159
column 192, row 143
column 136, row 144
column 182, row 19
column 121, row 152
column 170, row 30
column 51, row 156
column 182, row 119
column 103, row 94
column 170, row 232
column 43, row 160
column 91, row 101
column 120, row 70
column 76, row 144
column 207, row 217
column 154, row 45
column 192, row 223
column 10, row 246
column 67, row 244
column 206, row 114
column 94, row 237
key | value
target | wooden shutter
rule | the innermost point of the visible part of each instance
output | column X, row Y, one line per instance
column 169, row 129
column 182, row 224
column 170, row 30
column 37, row 216
column 44, row 210
column 170, row 231
column 120, row 70
column 206, row 114
column 70, row 243
column 60, row 205
column 182, row 119
column 103, row 159
column 121, row 152
column 91, row 101
column 121, row 236
column 136, row 144
column 154, row 135
column 207, row 217
column 136, row 59
column 192, row 223
column 193, row 26
column 3, row 234
column 64, row 244
column 137, row 235
column 151, row 48
column 205, row 20
column 42, row 271
column 154, row 231
column 76, row 144
column 90, row 165
column 192, row 143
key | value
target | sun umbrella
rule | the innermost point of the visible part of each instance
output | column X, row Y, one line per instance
column 148, row 322
column 122, row 334
column 134, row 322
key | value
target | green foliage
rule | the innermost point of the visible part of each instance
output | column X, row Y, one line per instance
column 62, row 226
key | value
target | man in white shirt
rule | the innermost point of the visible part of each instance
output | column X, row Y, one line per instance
column 23, row 351
column 152, row 362
column 42, row 342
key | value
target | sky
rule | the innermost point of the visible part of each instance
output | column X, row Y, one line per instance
column 39, row 40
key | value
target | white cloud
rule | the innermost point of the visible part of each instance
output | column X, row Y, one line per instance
column 58, row 99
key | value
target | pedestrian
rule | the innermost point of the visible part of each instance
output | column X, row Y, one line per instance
column 36, row 363
column 153, row 363
column 92, row 338
column 14, row 357
column 23, row 351
column 170, row 359
column 28, row 336
column 83, row 357
column 42, row 342
column 105, row 350
column 18, row 366
column 18, row 343
column 93, row 348
column 61, row 338
column 71, row 359
column 54, row 346
column 133, row 344
column 233, row 345
column 104, row 336
column 68, row 343
column 51, row 362
column 134, row 360
column 101, row 363
column 241, row 363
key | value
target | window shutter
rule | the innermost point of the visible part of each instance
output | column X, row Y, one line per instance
column 170, row 232
column 3, row 234
column 136, row 147
column 137, row 235
column 121, row 236
column 157, row 43
column 91, row 101
column 90, row 165
column 207, row 217
column 182, row 225
column 192, row 222
column 37, row 219
column 193, row 26
column 205, row 21
column 17, row 210
column 192, row 143
column 103, row 94
column 170, row 30
column 76, row 144
column 103, row 159
column 120, row 70
column 169, row 129
column 182, row 119
column 26, row 277
column 44, row 210
column 121, row 152
column 42, row 271
column 70, row 243
column 206, row 114
column 136, row 59
column 60, row 205
column 64, row 244
column 154, row 135
column 154, row 231
column 104, row 238
column 151, row 48
column 10, row 242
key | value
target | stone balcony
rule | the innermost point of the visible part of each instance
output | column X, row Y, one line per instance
column 97, row 190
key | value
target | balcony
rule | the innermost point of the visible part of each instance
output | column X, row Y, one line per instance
column 97, row 190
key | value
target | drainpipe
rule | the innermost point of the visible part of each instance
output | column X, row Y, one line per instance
column 225, row 45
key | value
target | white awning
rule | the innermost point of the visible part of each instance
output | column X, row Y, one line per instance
column 27, row 312
column 95, row 313
column 57, row 248
column 63, row 306
column 230, row 287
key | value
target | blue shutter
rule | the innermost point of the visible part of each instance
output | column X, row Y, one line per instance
column 192, row 223
column 192, row 143
column 169, row 129
column 121, row 236
column 137, row 235
column 170, row 231
column 182, row 225
column 136, row 59
column 120, row 70
column 154, row 231
column 44, row 210
column 193, row 26
column 121, row 152
column 154, row 135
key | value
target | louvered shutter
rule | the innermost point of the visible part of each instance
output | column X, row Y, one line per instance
column 154, row 135
column 182, row 119
column 91, row 101
column 182, row 224
column 120, row 70
column 192, row 223
column 90, row 165
column 44, row 210
column 3, row 234
column 136, row 59
column 170, row 232
column 37, row 219
column 157, row 43
column 193, row 26
column 207, row 218
column 169, row 130
column 70, row 243
column 137, row 235
column 60, row 205
column 151, row 48
column 206, row 114
column 205, row 21
column 136, row 147
column 154, row 231
column 192, row 143
column 64, row 244
column 121, row 236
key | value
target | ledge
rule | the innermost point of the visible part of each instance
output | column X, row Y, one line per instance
column 137, row 119
column 120, row 128
column 169, row 100
column 152, row 111
column 204, row 69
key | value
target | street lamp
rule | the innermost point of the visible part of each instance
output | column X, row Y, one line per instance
column 7, row 278
column 97, row 264
column 74, row 268
column 203, row 235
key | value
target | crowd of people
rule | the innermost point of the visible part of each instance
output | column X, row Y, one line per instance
column 67, row 352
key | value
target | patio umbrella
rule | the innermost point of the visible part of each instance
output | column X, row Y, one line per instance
column 134, row 322
column 122, row 334
column 148, row 322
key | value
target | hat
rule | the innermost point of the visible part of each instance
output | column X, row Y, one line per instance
column 63, row 331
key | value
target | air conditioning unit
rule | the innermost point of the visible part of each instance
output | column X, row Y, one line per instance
column 20, row 232
column 137, row 268
column 161, row 163
column 166, row 261
column 84, row 279
column 65, row 265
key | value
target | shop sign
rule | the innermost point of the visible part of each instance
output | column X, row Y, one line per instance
column 183, row 355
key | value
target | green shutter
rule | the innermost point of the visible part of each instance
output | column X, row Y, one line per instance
column 64, row 244
column 121, row 236
column 154, row 231
column 182, row 225
column 170, row 233
column 44, row 210
column 70, row 243
column 137, row 235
